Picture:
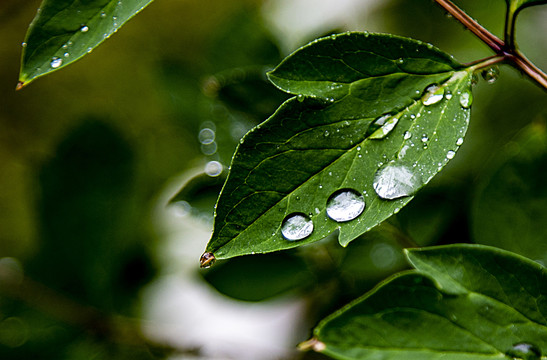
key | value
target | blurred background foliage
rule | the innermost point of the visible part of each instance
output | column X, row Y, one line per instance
column 87, row 155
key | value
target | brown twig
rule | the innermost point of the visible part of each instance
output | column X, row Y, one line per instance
column 504, row 51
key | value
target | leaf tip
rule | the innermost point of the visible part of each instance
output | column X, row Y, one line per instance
column 207, row 260
column 20, row 85
column 312, row 344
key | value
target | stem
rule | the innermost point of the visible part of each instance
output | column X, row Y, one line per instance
column 487, row 37
column 487, row 62
column 505, row 51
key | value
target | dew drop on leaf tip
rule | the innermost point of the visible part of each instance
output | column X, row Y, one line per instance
column 345, row 205
column 207, row 260
column 296, row 226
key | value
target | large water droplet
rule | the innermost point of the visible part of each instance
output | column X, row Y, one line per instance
column 56, row 62
column 433, row 94
column 345, row 205
column 396, row 180
column 296, row 226
column 491, row 74
column 213, row 168
column 387, row 123
column 525, row 351
column 466, row 99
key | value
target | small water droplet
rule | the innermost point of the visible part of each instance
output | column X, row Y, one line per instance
column 466, row 99
column 525, row 351
column 459, row 141
column 213, row 168
column 24, row 44
column 358, row 148
column 56, row 62
column 300, row 97
column 400, row 61
column 296, row 226
column 387, row 124
column 491, row 74
column 424, row 138
column 66, row 54
column 345, row 205
column 396, row 180
column 407, row 135
column 448, row 94
column 326, row 133
column 84, row 28
column 450, row 154
column 207, row 260
column 103, row 14
column 206, row 136
column 433, row 94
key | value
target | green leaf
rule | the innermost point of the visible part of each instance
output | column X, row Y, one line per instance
column 462, row 302
column 329, row 138
column 509, row 209
column 64, row 30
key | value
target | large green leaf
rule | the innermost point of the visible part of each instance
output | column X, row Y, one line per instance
column 65, row 30
column 510, row 206
column 463, row 302
column 327, row 139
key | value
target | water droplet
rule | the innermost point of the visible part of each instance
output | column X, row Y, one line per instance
column 450, row 154
column 206, row 136
column 433, row 94
column 424, row 138
column 89, row 49
column 525, row 351
column 300, row 97
column 326, row 133
column 207, row 260
column 345, row 205
column 491, row 74
column 466, row 99
column 448, row 94
column 56, row 62
column 387, row 124
column 66, row 54
column 103, row 14
column 296, row 226
column 84, row 28
column 358, row 148
column 213, row 168
column 407, row 135
column 396, row 180
column 24, row 44
column 459, row 141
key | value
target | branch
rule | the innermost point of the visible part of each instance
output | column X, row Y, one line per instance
column 504, row 51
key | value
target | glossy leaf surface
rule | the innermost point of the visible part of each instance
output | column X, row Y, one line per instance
column 510, row 207
column 330, row 138
column 63, row 31
column 462, row 302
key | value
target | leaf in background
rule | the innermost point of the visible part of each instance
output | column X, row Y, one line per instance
column 257, row 278
column 376, row 117
column 510, row 207
column 517, row 5
column 463, row 302
column 64, row 30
